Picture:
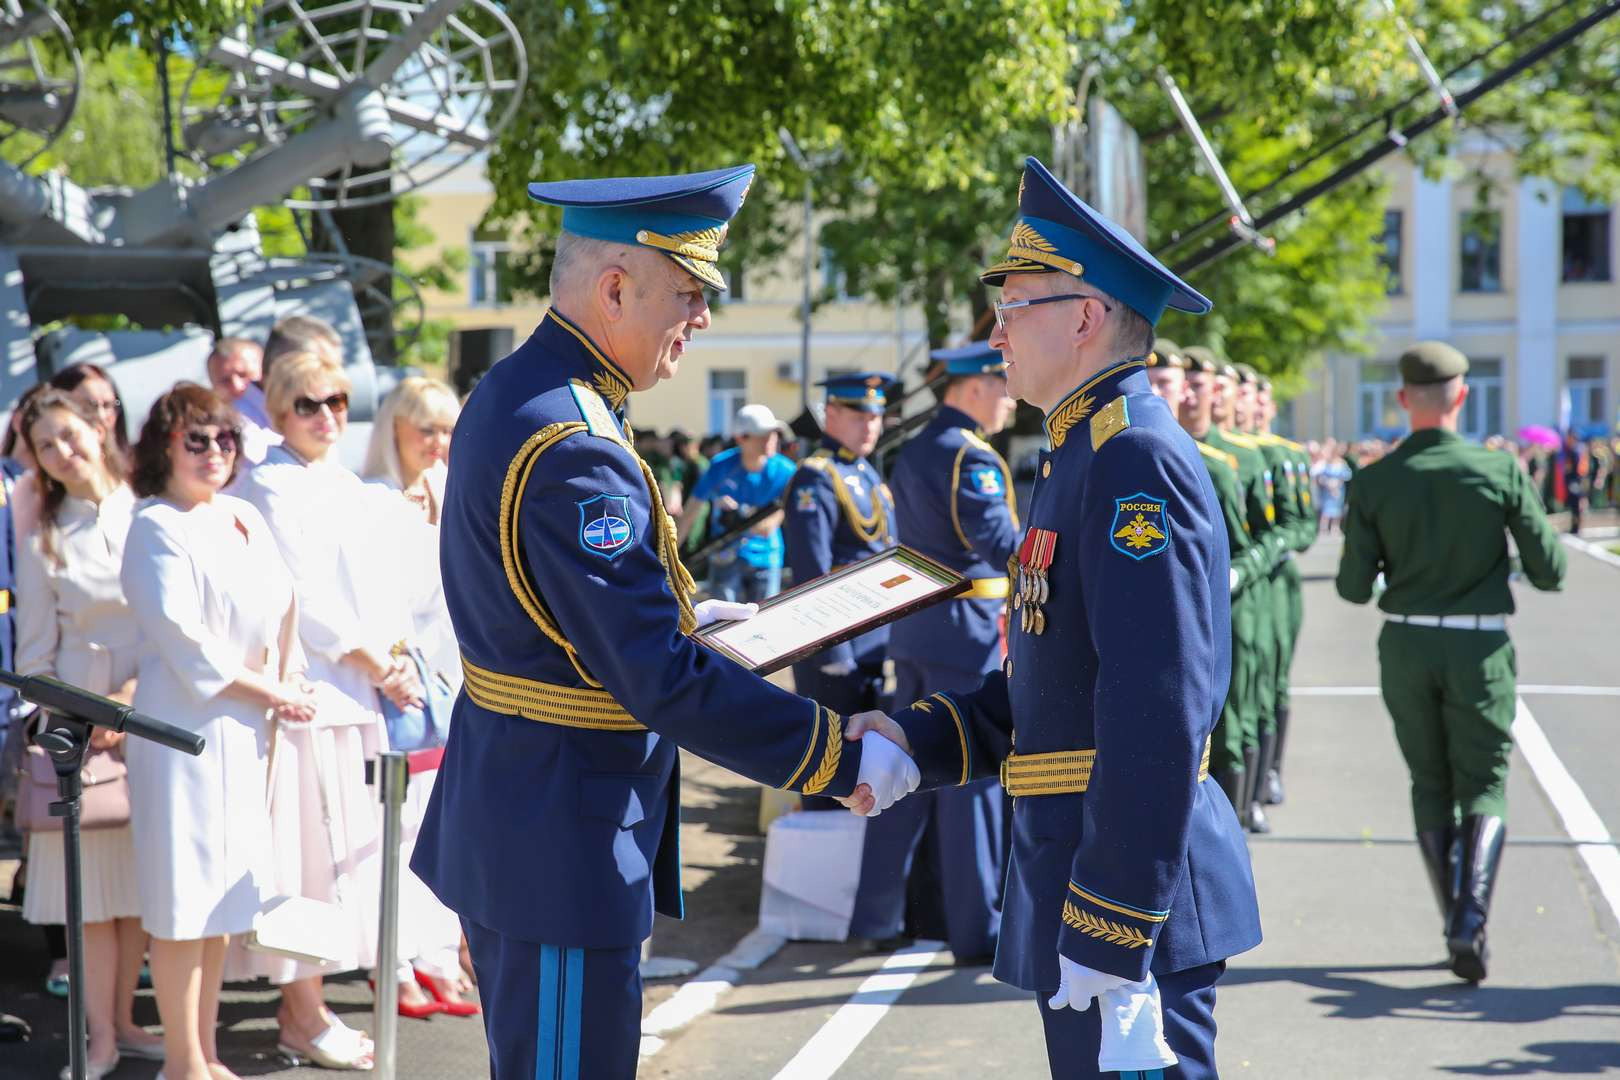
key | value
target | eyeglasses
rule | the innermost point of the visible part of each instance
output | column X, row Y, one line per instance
column 308, row 406
column 106, row 405
column 199, row 442
column 1003, row 308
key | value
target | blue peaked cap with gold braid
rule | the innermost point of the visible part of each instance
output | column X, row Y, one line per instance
column 685, row 216
column 1057, row 232
column 867, row 391
column 975, row 359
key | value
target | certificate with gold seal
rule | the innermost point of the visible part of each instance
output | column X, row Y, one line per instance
column 834, row 608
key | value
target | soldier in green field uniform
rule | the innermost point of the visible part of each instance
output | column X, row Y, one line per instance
column 1296, row 520
column 1259, row 655
column 1250, row 563
column 1430, row 516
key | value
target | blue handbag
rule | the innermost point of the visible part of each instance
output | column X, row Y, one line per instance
column 427, row 726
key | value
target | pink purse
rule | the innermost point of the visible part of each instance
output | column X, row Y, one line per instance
column 105, row 803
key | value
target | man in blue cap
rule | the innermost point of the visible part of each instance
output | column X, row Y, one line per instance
column 552, row 829
column 839, row 511
column 1130, row 878
column 946, row 851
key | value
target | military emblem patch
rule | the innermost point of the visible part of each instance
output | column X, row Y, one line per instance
column 807, row 500
column 1141, row 527
column 604, row 525
column 987, row 481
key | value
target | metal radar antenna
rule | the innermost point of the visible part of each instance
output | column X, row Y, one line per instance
column 41, row 74
column 438, row 80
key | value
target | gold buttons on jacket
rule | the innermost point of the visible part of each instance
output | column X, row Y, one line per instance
column 1046, row 468
column 1009, row 667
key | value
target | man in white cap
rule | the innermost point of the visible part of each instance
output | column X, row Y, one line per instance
column 739, row 481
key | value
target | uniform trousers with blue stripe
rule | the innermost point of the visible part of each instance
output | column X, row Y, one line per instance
column 935, row 863
column 557, row 1013
column 1073, row 1039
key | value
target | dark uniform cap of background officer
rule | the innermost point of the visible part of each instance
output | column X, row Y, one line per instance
column 1199, row 358
column 1166, row 353
column 1431, row 362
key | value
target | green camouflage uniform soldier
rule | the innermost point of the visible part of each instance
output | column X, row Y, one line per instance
column 1296, row 519
column 1259, row 655
column 1250, row 564
column 1430, row 517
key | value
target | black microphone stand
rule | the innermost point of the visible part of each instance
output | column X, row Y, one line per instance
column 71, row 714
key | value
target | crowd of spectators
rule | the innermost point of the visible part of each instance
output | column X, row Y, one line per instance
column 224, row 571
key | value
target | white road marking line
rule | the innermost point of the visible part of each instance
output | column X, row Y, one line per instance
column 1579, row 819
column 703, row 991
column 830, row 1047
column 1533, row 689
column 1597, row 551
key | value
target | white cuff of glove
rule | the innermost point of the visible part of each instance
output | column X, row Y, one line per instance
column 1133, row 1029
column 1232, row 579
column 838, row 668
column 713, row 611
column 887, row 770
column 1078, row 985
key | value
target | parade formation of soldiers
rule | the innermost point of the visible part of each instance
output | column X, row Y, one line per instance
column 1093, row 724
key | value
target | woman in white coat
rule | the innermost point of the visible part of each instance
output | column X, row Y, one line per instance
column 340, row 538
column 73, row 623
column 410, row 443
column 219, row 656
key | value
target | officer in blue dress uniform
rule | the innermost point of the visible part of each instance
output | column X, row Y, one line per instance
column 1129, row 870
column 839, row 511
column 945, row 852
column 552, row 830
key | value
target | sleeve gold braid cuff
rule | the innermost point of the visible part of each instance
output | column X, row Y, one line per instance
column 1062, row 772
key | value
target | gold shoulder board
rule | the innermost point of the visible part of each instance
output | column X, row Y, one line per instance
column 594, row 411
column 1110, row 420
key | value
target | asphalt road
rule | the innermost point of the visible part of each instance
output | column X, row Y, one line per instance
column 1349, row 981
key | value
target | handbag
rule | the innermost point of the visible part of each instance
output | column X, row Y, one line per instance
column 428, row 725
column 104, row 803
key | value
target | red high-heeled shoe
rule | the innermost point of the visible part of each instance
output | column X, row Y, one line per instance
column 415, row 1011
column 454, row 1008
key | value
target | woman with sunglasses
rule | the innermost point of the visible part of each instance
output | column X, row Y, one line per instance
column 74, row 624
column 351, row 548
column 213, row 604
column 410, row 443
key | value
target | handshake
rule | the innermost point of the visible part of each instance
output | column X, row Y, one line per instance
column 887, row 772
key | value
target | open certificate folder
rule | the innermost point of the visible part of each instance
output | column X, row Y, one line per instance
column 834, row 608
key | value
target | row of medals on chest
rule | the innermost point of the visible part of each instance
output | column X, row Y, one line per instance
column 1033, row 588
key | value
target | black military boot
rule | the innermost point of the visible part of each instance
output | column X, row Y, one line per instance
column 1234, row 782
column 1271, row 788
column 1255, row 821
column 1482, row 838
column 1440, row 858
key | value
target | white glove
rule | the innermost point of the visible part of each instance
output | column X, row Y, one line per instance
column 1078, row 984
column 887, row 770
column 1133, row 1029
column 713, row 611
column 838, row 668
column 1232, row 579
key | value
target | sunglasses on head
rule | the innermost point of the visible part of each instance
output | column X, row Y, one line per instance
column 199, row 442
column 308, row 406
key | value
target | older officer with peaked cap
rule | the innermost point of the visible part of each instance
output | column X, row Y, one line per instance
column 1130, row 877
column 1432, row 517
column 954, row 501
column 552, row 829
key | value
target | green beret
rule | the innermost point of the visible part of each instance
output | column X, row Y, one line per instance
column 1431, row 362
column 1246, row 374
column 1227, row 371
column 1166, row 353
column 1265, row 384
column 1199, row 358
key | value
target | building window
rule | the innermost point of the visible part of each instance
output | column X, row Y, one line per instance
column 1587, row 381
column 834, row 278
column 1586, row 238
column 1482, row 411
column 1381, row 416
column 1481, row 250
column 488, row 274
column 728, row 392
column 1390, row 256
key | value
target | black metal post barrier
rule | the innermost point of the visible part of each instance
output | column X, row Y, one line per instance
column 70, row 715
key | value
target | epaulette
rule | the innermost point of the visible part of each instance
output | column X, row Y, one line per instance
column 594, row 411
column 1239, row 439
column 820, row 461
column 975, row 439
column 1110, row 420
column 1219, row 455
